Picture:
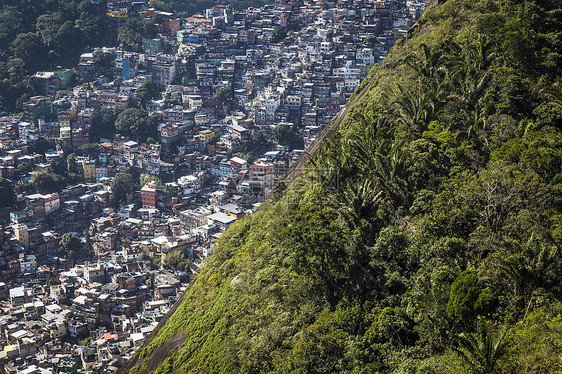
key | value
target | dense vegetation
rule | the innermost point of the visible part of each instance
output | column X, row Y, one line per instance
column 426, row 236
column 40, row 35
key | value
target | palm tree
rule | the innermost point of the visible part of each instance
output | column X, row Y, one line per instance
column 415, row 107
column 482, row 349
column 429, row 66
column 527, row 267
column 358, row 201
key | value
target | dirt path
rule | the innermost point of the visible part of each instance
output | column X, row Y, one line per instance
column 297, row 168
column 134, row 361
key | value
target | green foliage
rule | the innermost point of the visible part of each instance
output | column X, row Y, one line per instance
column 465, row 293
column 160, row 5
column 145, row 92
column 315, row 239
column 102, row 59
column 71, row 163
column 53, row 281
column 47, row 182
column 223, row 94
column 131, row 40
column 88, row 247
column 23, row 168
column 28, row 48
column 278, row 34
column 177, row 260
column 425, row 236
column 37, row 35
column 253, row 149
column 70, row 244
column 146, row 178
column 103, row 122
column 247, row 200
column 6, row 193
column 286, row 136
column 482, row 349
column 136, row 123
column 90, row 149
column 121, row 186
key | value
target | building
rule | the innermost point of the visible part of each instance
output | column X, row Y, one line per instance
column 89, row 168
column 192, row 218
column 37, row 107
column 22, row 234
column 151, row 196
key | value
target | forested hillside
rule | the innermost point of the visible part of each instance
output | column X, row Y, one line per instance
column 39, row 35
column 425, row 235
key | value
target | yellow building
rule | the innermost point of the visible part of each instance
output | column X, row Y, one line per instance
column 22, row 234
column 89, row 171
column 206, row 135
column 11, row 350
column 65, row 132
column 117, row 14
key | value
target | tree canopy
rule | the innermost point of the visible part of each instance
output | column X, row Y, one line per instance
column 137, row 124
column 6, row 193
column 36, row 35
column 121, row 186
column 70, row 244
column 47, row 182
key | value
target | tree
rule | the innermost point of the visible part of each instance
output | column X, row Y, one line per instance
column 223, row 94
column 23, row 168
column 29, row 48
column 117, row 83
column 46, row 182
column 67, row 41
column 151, row 128
column 130, row 39
column 53, row 281
column 90, row 27
column 103, row 122
column 88, row 244
column 59, row 167
column 102, row 59
column 482, row 349
column 146, row 178
column 464, row 293
column 70, row 244
column 121, row 186
column 278, row 34
column 71, row 163
column 90, row 149
column 370, row 39
column 147, row 91
column 258, row 138
column 131, row 121
column 316, row 242
column 6, row 193
column 137, row 124
column 47, row 26
column 160, row 5
column 177, row 260
column 247, row 200
column 289, row 137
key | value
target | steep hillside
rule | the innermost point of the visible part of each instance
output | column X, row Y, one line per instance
column 425, row 235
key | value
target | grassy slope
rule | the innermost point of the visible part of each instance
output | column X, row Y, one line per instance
column 263, row 304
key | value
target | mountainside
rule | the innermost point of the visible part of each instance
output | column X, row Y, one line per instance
column 423, row 237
